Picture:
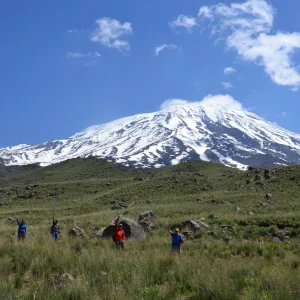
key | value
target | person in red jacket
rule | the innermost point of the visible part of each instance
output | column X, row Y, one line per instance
column 119, row 236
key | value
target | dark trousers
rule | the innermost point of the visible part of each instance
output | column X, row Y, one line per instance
column 21, row 235
column 120, row 245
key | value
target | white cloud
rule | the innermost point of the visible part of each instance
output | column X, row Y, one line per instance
column 70, row 54
column 173, row 102
column 226, row 85
column 229, row 70
column 109, row 31
column 247, row 27
column 184, row 21
column 224, row 101
column 160, row 48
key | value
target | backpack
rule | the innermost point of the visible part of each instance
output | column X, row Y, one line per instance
column 55, row 228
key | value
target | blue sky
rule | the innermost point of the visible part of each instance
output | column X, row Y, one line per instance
column 67, row 65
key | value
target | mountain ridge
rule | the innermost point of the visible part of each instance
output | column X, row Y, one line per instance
column 208, row 130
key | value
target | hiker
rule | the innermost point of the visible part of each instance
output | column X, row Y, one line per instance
column 119, row 236
column 177, row 241
column 55, row 229
column 22, row 230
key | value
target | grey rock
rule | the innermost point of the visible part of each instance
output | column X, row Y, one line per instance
column 188, row 235
column 76, row 231
column 147, row 220
column 132, row 230
column 212, row 217
column 99, row 233
column 276, row 240
column 116, row 206
column 190, row 225
column 280, row 234
column 269, row 196
column 63, row 280
column 212, row 233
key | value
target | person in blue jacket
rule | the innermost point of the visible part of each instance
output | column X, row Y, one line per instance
column 55, row 231
column 177, row 241
column 22, row 230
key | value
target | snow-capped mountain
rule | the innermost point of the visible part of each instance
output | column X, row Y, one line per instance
column 206, row 130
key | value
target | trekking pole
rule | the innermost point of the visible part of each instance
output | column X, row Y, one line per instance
column 124, row 213
column 53, row 204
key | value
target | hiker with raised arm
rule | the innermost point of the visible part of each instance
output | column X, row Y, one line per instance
column 22, row 229
column 55, row 229
column 119, row 235
column 177, row 241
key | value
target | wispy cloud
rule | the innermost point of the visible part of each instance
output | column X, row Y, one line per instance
column 75, row 30
column 197, row 86
column 295, row 88
column 225, row 101
column 284, row 113
column 77, row 55
column 109, row 33
column 163, row 47
column 247, row 28
column 229, row 70
column 227, row 85
column 187, row 22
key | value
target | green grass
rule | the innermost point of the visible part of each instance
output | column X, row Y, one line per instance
column 242, row 262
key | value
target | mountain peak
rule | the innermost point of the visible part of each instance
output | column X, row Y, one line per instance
column 215, row 129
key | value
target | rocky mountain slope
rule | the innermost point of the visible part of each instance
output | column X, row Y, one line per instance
column 207, row 130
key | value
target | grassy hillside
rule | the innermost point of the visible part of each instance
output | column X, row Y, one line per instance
column 237, row 258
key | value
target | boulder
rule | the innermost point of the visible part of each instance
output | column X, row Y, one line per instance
column 269, row 196
column 116, row 206
column 76, row 231
column 190, row 225
column 188, row 235
column 132, row 229
column 280, row 234
column 138, row 179
column 10, row 219
column 147, row 220
column 63, row 280
column 213, row 217
column 276, row 240
column 123, row 204
column 99, row 233
column 212, row 233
